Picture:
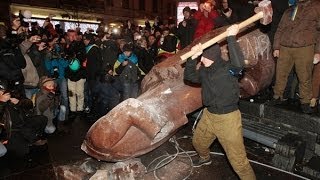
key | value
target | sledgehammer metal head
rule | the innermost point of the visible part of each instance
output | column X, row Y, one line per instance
column 263, row 12
column 265, row 7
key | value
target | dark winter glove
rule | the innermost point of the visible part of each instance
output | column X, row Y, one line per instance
column 51, row 96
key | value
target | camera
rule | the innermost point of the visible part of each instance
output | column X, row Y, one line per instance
column 55, row 72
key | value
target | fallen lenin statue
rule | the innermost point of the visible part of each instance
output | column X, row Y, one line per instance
column 137, row 126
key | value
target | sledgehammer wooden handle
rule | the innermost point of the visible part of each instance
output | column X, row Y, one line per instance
column 223, row 35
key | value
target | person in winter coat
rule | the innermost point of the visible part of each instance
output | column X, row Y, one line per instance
column 93, row 64
column 186, row 28
column 19, row 127
column 205, row 19
column 48, row 104
column 145, row 57
column 56, row 66
column 30, row 73
column 76, row 72
column 126, row 67
column 226, row 14
column 37, row 54
column 12, row 60
column 221, row 117
column 297, row 44
column 153, row 46
column 168, row 42
column 109, row 51
column 76, row 77
column 107, row 92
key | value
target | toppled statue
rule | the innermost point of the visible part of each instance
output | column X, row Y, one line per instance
column 137, row 126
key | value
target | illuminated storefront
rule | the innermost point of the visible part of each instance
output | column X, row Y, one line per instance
column 72, row 21
column 181, row 5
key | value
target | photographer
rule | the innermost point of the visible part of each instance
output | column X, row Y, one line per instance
column 21, row 128
column 227, row 16
column 37, row 54
column 12, row 61
column 56, row 65
column 30, row 73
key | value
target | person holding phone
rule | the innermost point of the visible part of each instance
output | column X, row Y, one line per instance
column 226, row 14
column 205, row 18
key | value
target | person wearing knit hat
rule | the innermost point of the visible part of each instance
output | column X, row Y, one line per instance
column 48, row 103
column 221, row 117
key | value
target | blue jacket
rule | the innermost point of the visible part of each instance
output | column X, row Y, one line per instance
column 133, row 58
column 59, row 63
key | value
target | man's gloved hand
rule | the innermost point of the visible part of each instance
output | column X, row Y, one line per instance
column 197, row 51
column 51, row 95
column 233, row 30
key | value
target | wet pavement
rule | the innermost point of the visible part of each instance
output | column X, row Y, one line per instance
column 64, row 149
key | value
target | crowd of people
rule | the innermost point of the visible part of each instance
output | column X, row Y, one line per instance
column 48, row 76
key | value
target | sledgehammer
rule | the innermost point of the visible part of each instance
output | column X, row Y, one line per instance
column 263, row 12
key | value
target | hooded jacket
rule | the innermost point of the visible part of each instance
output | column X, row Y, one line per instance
column 220, row 89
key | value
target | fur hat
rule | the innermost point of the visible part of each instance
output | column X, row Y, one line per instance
column 43, row 80
column 212, row 53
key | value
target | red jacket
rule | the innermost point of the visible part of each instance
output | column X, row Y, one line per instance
column 204, row 24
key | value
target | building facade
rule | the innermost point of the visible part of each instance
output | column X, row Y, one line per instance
column 96, row 11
